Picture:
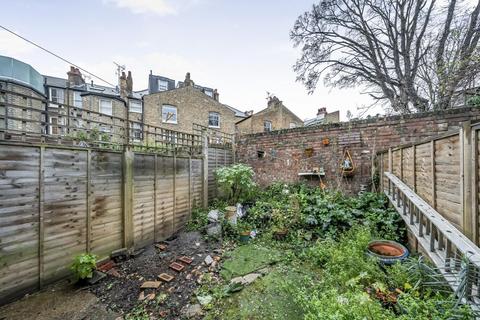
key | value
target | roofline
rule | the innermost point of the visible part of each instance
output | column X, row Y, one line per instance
column 20, row 83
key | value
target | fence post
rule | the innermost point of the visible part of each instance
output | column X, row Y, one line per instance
column 205, row 168
column 474, row 184
column 41, row 213
column 89, row 207
column 466, row 174
column 127, row 164
column 390, row 160
column 434, row 177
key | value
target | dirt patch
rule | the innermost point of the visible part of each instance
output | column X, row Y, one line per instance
column 58, row 302
column 121, row 294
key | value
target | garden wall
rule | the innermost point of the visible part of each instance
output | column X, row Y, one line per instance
column 57, row 202
column 281, row 155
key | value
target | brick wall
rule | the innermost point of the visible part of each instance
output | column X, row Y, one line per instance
column 193, row 106
column 284, row 150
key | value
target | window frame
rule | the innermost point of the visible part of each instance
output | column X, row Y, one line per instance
column 100, row 106
column 75, row 100
column 265, row 127
column 210, row 113
column 55, row 99
column 162, row 88
column 292, row 125
column 130, row 109
column 176, row 114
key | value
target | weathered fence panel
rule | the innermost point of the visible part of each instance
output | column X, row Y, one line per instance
column 217, row 158
column 444, row 172
column 143, row 199
column 164, row 198
column 65, row 210
column 105, row 200
column 57, row 202
column 19, row 218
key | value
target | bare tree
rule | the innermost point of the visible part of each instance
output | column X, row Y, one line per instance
column 410, row 53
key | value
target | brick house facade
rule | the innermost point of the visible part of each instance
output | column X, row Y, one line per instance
column 282, row 155
column 178, row 109
column 275, row 117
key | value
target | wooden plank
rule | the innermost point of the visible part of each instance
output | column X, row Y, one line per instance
column 41, row 227
column 466, row 173
column 127, row 164
column 205, row 171
column 88, row 204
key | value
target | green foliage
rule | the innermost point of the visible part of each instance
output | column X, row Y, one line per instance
column 198, row 219
column 138, row 313
column 83, row 265
column 348, row 275
column 321, row 214
column 236, row 181
column 474, row 101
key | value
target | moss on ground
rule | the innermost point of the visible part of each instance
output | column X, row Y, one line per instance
column 248, row 258
column 266, row 298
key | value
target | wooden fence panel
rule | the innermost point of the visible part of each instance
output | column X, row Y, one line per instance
column 408, row 166
column 423, row 171
column 65, row 205
column 105, row 195
column 397, row 162
column 143, row 199
column 197, row 184
column 182, row 194
column 19, row 219
column 448, row 179
column 164, row 198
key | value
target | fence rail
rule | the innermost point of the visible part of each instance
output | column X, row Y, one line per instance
column 60, row 123
column 457, row 258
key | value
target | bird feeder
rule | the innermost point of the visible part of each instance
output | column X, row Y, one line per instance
column 347, row 165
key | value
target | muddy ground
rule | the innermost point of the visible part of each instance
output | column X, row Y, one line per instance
column 116, row 296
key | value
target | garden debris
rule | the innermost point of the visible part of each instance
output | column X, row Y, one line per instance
column 213, row 215
column 186, row 260
column 214, row 229
column 177, row 266
column 97, row 276
column 114, row 273
column 150, row 296
column 162, row 297
column 204, row 300
column 193, row 311
column 151, row 285
column 166, row 277
column 141, row 296
column 119, row 255
column 161, row 246
column 106, row 266
column 247, row 279
column 208, row 260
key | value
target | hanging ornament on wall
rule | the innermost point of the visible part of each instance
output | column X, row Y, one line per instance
column 347, row 165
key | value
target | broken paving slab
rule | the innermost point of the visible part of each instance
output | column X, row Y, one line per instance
column 246, row 279
column 150, row 285
column 161, row 246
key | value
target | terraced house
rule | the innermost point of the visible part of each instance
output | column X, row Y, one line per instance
column 178, row 107
column 34, row 104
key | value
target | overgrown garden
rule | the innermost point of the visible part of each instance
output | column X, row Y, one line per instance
column 307, row 255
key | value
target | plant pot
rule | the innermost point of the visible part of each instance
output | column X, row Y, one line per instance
column 244, row 236
column 230, row 213
column 387, row 252
column 280, row 234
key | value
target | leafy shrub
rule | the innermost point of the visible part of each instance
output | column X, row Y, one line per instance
column 236, row 181
column 474, row 101
column 83, row 265
column 198, row 219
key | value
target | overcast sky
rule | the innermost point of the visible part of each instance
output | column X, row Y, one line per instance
column 242, row 48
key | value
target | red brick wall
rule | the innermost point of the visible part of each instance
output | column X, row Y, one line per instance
column 284, row 155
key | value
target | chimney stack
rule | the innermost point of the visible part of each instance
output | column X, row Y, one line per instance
column 129, row 83
column 216, row 95
column 188, row 81
column 273, row 101
column 75, row 77
column 322, row 112
column 122, row 80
